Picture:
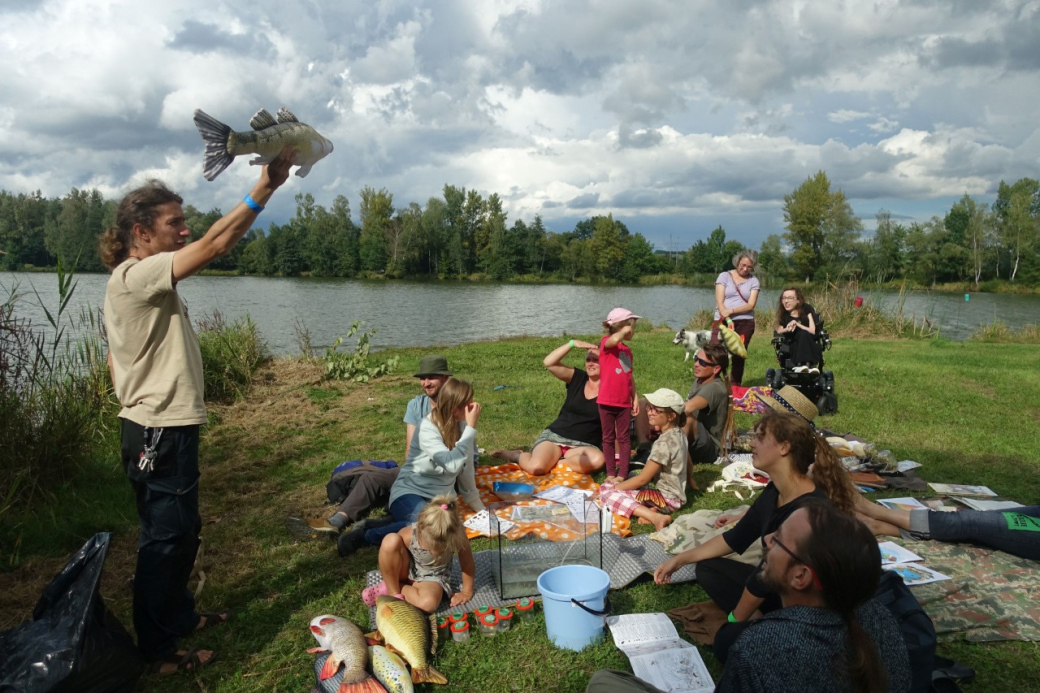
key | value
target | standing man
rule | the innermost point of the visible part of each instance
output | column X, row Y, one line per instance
column 156, row 369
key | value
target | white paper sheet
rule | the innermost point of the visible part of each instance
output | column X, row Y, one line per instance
column 962, row 490
column 916, row 574
column 902, row 503
column 658, row 655
column 892, row 552
column 979, row 504
column 574, row 498
column 481, row 522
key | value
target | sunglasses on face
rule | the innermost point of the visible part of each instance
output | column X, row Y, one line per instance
column 706, row 364
column 773, row 541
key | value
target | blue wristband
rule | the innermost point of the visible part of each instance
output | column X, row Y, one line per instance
column 253, row 204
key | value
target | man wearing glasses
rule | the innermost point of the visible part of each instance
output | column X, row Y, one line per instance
column 825, row 566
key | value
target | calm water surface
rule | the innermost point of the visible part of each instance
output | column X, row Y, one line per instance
column 422, row 314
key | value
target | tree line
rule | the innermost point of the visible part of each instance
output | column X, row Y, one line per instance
column 463, row 234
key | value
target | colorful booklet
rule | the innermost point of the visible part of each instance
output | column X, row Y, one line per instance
column 902, row 503
column 962, row 490
column 915, row 573
column 658, row 655
column 892, row 552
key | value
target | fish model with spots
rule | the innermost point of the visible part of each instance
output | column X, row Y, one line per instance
column 390, row 670
column 410, row 632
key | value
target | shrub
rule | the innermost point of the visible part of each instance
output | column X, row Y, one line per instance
column 353, row 365
column 231, row 355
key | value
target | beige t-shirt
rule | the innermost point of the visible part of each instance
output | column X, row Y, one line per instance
column 155, row 354
column 671, row 451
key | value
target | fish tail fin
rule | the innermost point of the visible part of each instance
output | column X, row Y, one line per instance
column 369, row 685
column 428, row 675
column 216, row 135
column 329, row 669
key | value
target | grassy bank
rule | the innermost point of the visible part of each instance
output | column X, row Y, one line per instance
column 967, row 411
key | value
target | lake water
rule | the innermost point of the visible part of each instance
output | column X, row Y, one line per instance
column 422, row 314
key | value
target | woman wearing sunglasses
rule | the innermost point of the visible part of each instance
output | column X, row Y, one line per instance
column 574, row 435
column 785, row 447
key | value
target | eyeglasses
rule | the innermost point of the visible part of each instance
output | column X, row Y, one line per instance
column 772, row 540
column 706, row 364
column 588, row 360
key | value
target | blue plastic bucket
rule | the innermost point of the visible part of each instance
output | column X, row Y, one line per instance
column 574, row 598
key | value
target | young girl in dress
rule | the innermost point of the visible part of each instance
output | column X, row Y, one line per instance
column 617, row 398
column 666, row 467
column 796, row 322
column 416, row 562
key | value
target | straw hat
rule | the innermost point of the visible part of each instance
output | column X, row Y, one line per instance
column 789, row 399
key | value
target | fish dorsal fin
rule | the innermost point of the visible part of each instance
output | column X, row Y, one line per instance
column 262, row 119
column 286, row 116
column 434, row 634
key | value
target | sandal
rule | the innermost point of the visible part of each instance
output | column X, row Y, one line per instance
column 370, row 594
column 213, row 619
column 187, row 662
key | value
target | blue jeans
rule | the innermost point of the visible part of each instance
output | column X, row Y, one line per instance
column 988, row 528
column 405, row 510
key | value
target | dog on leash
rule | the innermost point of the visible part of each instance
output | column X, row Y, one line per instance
column 692, row 341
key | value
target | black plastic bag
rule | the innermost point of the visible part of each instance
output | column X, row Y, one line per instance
column 73, row 642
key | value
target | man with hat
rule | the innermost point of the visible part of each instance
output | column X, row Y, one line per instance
column 433, row 373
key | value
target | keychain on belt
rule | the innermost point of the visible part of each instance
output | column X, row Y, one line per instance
column 151, row 443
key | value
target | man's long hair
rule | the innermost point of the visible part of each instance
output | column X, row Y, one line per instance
column 847, row 561
column 138, row 207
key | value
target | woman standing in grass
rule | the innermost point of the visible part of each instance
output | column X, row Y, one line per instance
column 785, row 447
column 736, row 293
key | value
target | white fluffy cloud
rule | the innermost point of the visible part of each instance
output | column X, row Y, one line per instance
column 674, row 115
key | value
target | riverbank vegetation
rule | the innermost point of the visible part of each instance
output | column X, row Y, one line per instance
column 967, row 411
column 465, row 235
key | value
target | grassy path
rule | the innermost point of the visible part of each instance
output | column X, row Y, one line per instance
column 968, row 412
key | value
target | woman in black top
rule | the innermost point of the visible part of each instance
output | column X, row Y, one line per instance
column 797, row 322
column 784, row 447
column 574, row 435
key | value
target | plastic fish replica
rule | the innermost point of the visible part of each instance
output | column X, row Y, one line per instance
column 410, row 632
column 347, row 648
column 390, row 670
column 267, row 139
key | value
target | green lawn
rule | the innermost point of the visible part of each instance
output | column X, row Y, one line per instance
column 968, row 412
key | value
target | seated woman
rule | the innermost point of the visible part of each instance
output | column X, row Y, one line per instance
column 1013, row 531
column 570, row 436
column 797, row 323
column 440, row 454
column 784, row 447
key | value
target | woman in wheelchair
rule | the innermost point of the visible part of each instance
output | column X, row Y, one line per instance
column 797, row 327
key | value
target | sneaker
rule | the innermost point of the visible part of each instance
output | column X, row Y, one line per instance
column 349, row 542
column 800, row 369
column 814, row 371
column 309, row 529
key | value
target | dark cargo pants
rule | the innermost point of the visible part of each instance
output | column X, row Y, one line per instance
column 168, row 508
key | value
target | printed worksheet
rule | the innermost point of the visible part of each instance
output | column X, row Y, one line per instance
column 575, row 499
column 962, row 490
column 916, row 574
column 658, row 655
column 892, row 552
column 481, row 522
column 902, row 503
column 980, row 504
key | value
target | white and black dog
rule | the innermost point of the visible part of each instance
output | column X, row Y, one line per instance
column 692, row 341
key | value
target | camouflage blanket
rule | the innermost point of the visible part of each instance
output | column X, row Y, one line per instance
column 992, row 595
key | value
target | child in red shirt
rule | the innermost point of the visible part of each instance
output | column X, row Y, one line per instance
column 617, row 399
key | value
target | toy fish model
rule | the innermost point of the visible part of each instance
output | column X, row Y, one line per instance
column 266, row 140
column 410, row 632
column 347, row 648
column 390, row 670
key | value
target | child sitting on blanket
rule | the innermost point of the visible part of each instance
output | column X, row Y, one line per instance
column 416, row 562
column 666, row 468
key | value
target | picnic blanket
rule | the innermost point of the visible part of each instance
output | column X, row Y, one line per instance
column 751, row 399
column 992, row 595
column 561, row 475
column 624, row 559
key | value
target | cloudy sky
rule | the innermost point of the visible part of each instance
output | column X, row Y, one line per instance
column 674, row 115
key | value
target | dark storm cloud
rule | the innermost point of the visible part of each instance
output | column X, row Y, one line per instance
column 584, row 201
column 198, row 37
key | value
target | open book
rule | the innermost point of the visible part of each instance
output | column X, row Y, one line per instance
column 658, row 655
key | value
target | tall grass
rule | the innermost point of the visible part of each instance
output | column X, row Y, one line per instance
column 54, row 395
column 998, row 331
column 231, row 355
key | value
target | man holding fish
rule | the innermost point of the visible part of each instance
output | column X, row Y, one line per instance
column 156, row 369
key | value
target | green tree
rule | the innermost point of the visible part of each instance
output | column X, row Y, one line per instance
column 771, row 260
column 608, row 244
column 886, row 249
column 257, row 254
column 1017, row 212
column 377, row 210
column 821, row 227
